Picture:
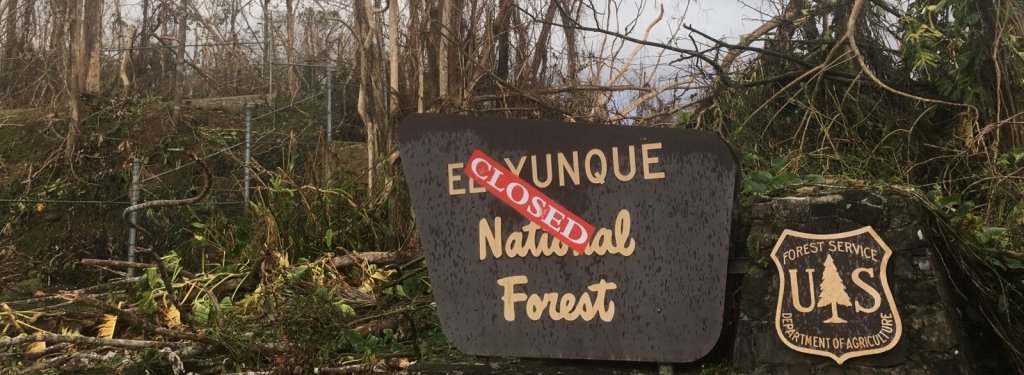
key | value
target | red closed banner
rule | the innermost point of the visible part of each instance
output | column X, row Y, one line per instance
column 529, row 202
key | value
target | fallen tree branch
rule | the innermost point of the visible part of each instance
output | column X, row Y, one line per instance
column 110, row 263
column 343, row 370
column 138, row 322
column 91, row 341
column 120, row 264
column 378, row 325
column 94, row 288
column 35, row 355
column 375, row 257
column 389, row 313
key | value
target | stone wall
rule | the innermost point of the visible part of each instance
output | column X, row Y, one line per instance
column 932, row 341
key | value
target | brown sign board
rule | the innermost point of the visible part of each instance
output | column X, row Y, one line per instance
column 650, row 285
column 834, row 297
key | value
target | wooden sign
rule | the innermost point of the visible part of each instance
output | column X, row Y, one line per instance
column 546, row 239
column 834, row 297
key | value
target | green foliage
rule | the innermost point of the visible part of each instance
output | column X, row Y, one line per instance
column 761, row 181
column 942, row 43
column 963, row 214
column 757, row 256
column 875, row 130
column 981, row 268
column 370, row 344
column 149, row 361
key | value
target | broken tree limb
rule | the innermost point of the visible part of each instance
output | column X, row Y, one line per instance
column 359, row 368
column 91, row 289
column 378, row 325
column 35, row 355
column 110, row 263
column 120, row 264
column 375, row 257
column 138, row 322
column 91, row 341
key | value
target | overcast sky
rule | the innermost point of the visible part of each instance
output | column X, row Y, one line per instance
column 719, row 18
column 722, row 18
column 725, row 19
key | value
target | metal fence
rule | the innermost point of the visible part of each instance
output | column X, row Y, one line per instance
column 238, row 165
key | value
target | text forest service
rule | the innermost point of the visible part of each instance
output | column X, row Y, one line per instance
column 834, row 297
column 636, row 271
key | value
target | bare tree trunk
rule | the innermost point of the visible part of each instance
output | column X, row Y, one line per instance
column 74, row 66
column 142, row 55
column 268, row 50
column 416, row 52
column 289, row 48
column 59, row 26
column 1006, row 18
column 421, row 73
column 179, row 62
column 93, row 34
column 503, row 33
column 442, row 65
column 129, row 43
column 571, row 51
column 522, row 47
column 393, row 46
column 238, row 60
column 27, row 25
column 372, row 98
column 11, row 32
column 540, row 53
column 144, row 27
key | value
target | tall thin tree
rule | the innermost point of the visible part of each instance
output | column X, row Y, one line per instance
column 179, row 62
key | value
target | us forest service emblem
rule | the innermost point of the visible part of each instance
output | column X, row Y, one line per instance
column 834, row 298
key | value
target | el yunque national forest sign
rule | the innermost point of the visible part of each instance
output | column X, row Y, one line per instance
column 834, row 297
column 555, row 240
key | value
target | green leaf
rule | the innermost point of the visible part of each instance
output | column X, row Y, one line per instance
column 1014, row 264
column 345, row 308
column 299, row 273
column 153, row 280
column 201, row 311
column 146, row 302
column 329, row 238
column 779, row 163
column 949, row 200
column 756, row 187
column 357, row 341
column 814, row 179
column 785, row 179
column 324, row 294
column 989, row 234
column 226, row 305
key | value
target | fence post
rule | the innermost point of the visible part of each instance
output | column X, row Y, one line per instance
column 247, row 156
column 133, row 194
column 329, row 70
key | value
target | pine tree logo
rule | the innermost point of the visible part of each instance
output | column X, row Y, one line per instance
column 824, row 278
column 832, row 291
